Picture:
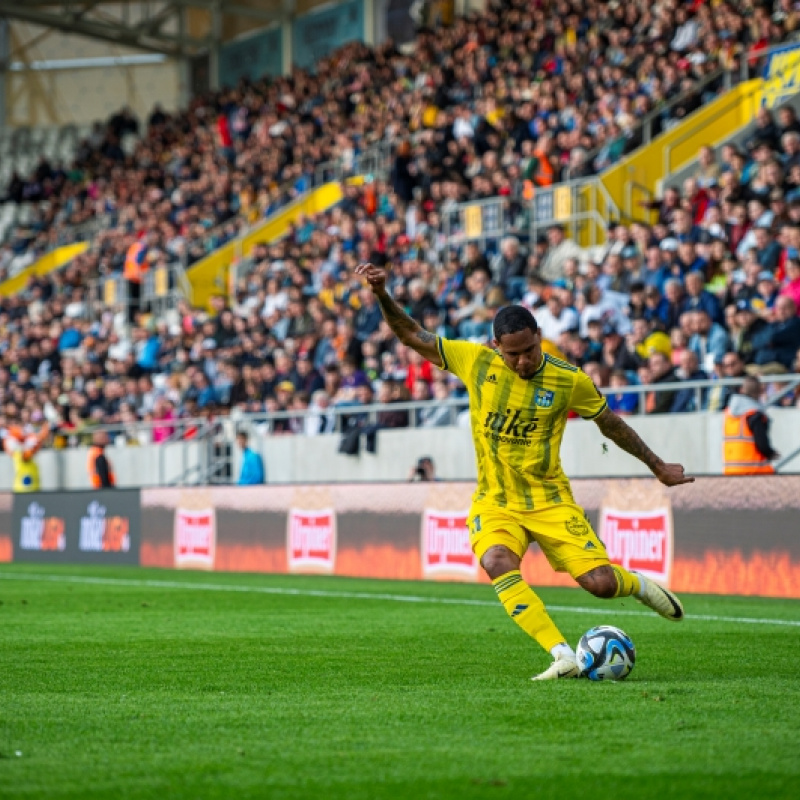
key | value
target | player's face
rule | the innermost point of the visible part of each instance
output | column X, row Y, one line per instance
column 521, row 351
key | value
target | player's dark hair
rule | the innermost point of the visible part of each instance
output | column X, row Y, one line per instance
column 513, row 319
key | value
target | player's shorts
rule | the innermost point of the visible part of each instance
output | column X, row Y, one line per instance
column 563, row 531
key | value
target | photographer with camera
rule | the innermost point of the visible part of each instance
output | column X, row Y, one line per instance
column 423, row 470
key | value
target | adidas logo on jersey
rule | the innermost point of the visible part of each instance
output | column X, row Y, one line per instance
column 491, row 378
column 590, row 546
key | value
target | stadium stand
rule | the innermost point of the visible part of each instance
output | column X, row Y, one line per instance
column 498, row 105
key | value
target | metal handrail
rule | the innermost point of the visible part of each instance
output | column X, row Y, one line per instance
column 207, row 427
column 629, row 187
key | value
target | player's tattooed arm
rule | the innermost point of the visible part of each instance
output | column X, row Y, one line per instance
column 407, row 330
column 626, row 438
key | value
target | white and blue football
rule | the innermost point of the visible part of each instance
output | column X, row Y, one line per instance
column 605, row 653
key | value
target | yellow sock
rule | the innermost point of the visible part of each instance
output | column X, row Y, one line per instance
column 527, row 610
column 627, row 582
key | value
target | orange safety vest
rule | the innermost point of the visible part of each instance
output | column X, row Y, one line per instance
column 740, row 455
column 94, row 478
column 133, row 269
column 545, row 174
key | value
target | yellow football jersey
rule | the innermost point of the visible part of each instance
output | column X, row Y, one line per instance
column 517, row 424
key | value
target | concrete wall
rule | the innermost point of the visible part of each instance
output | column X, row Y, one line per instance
column 694, row 440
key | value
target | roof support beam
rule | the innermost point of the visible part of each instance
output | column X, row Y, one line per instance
column 118, row 34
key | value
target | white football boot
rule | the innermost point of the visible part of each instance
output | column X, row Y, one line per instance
column 564, row 666
column 661, row 600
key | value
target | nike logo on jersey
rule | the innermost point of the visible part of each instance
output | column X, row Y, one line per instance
column 511, row 424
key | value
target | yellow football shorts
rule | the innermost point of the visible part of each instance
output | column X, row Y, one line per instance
column 562, row 531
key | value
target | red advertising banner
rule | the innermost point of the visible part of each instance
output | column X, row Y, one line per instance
column 311, row 541
column 639, row 540
column 720, row 535
column 446, row 550
column 195, row 538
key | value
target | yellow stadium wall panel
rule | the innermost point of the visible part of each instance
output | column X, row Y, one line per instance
column 53, row 260
column 632, row 179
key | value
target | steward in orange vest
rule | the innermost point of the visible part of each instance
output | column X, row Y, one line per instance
column 101, row 474
column 747, row 450
column 135, row 264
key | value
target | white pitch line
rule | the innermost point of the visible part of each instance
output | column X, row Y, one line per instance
column 396, row 598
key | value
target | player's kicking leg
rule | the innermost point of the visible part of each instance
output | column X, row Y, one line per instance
column 612, row 580
column 526, row 609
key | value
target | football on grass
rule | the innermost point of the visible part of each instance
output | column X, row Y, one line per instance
column 605, row 653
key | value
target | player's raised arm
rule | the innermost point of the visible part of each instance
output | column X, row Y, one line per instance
column 409, row 332
column 625, row 437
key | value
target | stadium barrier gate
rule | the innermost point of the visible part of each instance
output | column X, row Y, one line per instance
column 732, row 535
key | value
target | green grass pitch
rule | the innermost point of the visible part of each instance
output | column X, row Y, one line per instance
column 125, row 683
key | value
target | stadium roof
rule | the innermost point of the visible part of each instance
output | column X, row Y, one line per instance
column 157, row 27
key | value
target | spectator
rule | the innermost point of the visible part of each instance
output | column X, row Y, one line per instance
column 748, row 326
column 423, row 470
column 661, row 371
column 322, row 419
column 554, row 319
column 747, row 449
column 778, row 342
column 618, row 402
column 509, row 268
column 791, row 287
column 709, row 340
column 559, row 250
column 23, row 448
column 687, row 399
column 698, row 299
column 729, row 366
column 101, row 473
column 252, row 472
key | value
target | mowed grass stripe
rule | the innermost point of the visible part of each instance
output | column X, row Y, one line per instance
column 345, row 595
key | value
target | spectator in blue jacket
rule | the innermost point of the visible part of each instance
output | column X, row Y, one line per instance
column 686, row 399
column 776, row 345
column 621, row 403
column 148, row 348
column 252, row 473
column 368, row 316
column 697, row 298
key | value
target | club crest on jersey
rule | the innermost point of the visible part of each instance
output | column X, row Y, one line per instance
column 577, row 526
column 544, row 398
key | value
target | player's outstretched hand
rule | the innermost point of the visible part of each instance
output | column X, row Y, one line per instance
column 672, row 474
column 376, row 276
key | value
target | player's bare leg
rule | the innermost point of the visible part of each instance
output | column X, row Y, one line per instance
column 526, row 609
column 615, row 581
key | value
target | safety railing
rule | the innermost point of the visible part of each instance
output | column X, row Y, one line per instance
column 483, row 221
column 636, row 196
column 161, row 289
column 583, row 207
column 700, row 388
column 374, row 161
column 429, row 413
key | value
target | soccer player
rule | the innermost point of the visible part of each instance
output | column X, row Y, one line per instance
column 519, row 401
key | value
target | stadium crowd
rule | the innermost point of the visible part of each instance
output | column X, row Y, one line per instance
column 521, row 95
column 709, row 288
